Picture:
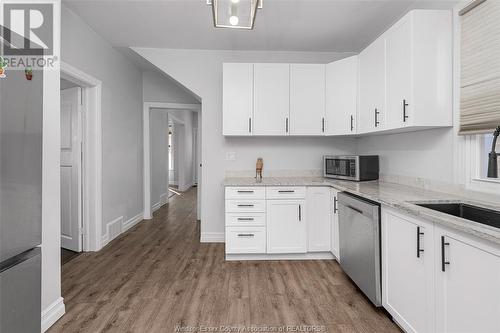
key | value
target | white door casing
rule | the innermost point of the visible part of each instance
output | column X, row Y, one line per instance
column 71, row 141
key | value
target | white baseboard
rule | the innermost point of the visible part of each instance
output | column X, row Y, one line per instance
column 186, row 187
column 164, row 198
column 125, row 226
column 52, row 313
column 156, row 206
column 284, row 256
column 212, row 237
column 133, row 221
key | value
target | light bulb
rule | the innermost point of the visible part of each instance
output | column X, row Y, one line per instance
column 235, row 1
column 234, row 20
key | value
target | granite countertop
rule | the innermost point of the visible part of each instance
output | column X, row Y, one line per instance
column 400, row 197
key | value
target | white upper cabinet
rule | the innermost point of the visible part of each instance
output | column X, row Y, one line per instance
column 419, row 70
column 271, row 99
column 319, row 212
column 467, row 284
column 399, row 58
column 372, row 87
column 341, row 96
column 307, row 99
column 237, row 99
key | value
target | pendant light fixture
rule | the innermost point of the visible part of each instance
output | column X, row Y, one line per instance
column 235, row 14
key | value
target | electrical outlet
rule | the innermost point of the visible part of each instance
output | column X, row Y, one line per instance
column 230, row 156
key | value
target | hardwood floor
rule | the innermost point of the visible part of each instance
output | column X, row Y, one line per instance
column 158, row 275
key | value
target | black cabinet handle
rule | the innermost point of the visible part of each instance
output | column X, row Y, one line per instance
column 246, row 235
column 352, row 123
column 300, row 212
column 245, row 191
column 245, row 218
column 419, row 250
column 443, row 254
column 335, row 209
column 286, row 124
column 286, row 191
column 376, row 117
column 245, row 205
column 249, row 125
column 405, row 116
column 323, row 125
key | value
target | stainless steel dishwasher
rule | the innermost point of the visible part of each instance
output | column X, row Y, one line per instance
column 359, row 234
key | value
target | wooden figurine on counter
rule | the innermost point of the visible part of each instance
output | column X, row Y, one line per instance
column 258, row 169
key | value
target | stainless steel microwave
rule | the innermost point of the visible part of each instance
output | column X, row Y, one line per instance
column 352, row 167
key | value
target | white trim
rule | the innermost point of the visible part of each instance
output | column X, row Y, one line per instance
column 212, row 237
column 133, row 221
column 92, row 152
column 284, row 256
column 52, row 313
column 146, row 128
column 156, row 206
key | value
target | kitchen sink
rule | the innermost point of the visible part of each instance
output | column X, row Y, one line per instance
column 469, row 212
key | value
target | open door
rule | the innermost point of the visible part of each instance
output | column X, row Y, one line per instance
column 71, row 147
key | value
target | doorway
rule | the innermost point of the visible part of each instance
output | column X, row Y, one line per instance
column 181, row 168
column 82, row 92
column 71, row 169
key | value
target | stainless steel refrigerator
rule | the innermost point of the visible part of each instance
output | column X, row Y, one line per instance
column 21, row 102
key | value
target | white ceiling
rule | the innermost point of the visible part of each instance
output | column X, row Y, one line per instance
column 282, row 25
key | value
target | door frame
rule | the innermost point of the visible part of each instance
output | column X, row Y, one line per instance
column 146, row 127
column 91, row 168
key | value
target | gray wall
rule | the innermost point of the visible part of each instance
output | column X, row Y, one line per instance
column 121, row 115
column 426, row 154
column 159, row 149
column 158, row 87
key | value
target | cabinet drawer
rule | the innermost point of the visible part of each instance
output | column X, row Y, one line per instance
column 245, row 193
column 245, row 240
column 246, row 219
column 286, row 192
column 245, row 206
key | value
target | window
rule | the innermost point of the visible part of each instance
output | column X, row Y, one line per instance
column 487, row 141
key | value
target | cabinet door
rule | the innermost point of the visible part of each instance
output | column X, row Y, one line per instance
column 335, row 223
column 399, row 74
column 467, row 289
column 286, row 226
column 372, row 87
column 237, row 99
column 307, row 99
column 318, row 219
column 271, row 99
column 341, row 96
column 408, row 271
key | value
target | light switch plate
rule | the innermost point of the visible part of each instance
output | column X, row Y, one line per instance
column 230, row 156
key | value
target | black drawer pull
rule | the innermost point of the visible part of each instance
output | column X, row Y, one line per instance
column 245, row 191
column 443, row 254
column 245, row 205
column 286, row 191
column 246, row 235
column 245, row 218
column 405, row 116
column 335, row 209
column 419, row 250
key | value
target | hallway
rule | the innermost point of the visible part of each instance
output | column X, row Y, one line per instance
column 158, row 275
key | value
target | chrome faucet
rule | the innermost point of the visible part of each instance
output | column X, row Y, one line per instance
column 493, row 156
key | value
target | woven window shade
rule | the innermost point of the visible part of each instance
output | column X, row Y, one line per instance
column 480, row 68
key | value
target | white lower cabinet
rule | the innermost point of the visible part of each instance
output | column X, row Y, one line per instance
column 318, row 219
column 467, row 284
column 335, row 223
column 408, row 271
column 286, row 226
column 241, row 240
column 438, row 280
